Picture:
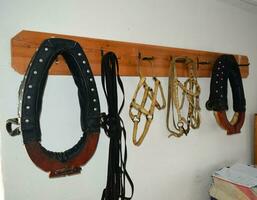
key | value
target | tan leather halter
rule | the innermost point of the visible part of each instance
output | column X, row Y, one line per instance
column 190, row 93
column 149, row 94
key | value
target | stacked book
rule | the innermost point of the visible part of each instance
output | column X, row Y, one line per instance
column 238, row 182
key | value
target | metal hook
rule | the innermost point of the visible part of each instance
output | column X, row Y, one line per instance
column 57, row 60
column 102, row 52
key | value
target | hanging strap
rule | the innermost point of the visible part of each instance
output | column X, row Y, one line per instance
column 190, row 93
column 114, row 128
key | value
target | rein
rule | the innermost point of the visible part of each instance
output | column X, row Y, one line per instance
column 114, row 128
column 226, row 68
column 190, row 94
column 30, row 103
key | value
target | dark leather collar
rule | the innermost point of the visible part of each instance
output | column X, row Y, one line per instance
column 226, row 68
column 31, row 93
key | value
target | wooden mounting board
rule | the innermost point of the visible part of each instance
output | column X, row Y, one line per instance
column 25, row 43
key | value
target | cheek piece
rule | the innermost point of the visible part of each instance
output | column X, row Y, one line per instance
column 226, row 69
column 30, row 102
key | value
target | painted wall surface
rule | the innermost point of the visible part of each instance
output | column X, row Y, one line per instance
column 161, row 168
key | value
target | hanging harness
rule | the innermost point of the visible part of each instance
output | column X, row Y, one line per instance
column 149, row 94
column 226, row 68
column 114, row 128
column 30, row 102
column 190, row 94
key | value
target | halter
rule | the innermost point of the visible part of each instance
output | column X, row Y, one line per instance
column 226, row 68
column 30, row 102
column 190, row 93
column 148, row 94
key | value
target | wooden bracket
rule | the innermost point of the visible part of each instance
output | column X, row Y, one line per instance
column 25, row 43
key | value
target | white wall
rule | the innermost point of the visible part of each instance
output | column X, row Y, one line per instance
column 161, row 168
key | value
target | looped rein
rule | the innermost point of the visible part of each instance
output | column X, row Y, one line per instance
column 114, row 128
column 149, row 94
column 226, row 68
column 30, row 103
column 190, row 91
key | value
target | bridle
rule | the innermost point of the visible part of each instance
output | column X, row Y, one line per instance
column 30, row 102
column 114, row 128
column 226, row 68
column 149, row 94
column 190, row 94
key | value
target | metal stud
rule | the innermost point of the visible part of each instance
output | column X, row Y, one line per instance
column 27, row 120
column 88, row 71
column 79, row 54
column 217, row 74
column 217, row 82
column 46, row 49
column 28, row 97
column 95, row 109
column 84, row 62
column 218, row 68
column 217, row 91
column 30, row 86
column 219, row 62
column 221, row 87
column 94, row 100
column 92, row 89
column 40, row 60
column 221, row 96
column 35, row 72
column 91, row 79
column 27, row 107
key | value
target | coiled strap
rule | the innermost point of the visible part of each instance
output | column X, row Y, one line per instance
column 114, row 128
column 30, row 103
column 226, row 68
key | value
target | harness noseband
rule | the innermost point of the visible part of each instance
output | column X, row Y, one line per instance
column 30, row 102
column 226, row 67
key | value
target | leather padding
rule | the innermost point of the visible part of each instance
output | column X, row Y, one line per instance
column 226, row 68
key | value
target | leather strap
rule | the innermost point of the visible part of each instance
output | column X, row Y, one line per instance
column 114, row 128
column 30, row 102
column 226, row 68
column 190, row 94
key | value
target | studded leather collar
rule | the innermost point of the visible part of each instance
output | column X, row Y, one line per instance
column 226, row 68
column 30, row 101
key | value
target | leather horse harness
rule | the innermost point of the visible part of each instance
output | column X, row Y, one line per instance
column 226, row 68
column 30, row 102
column 114, row 128
column 190, row 94
column 149, row 94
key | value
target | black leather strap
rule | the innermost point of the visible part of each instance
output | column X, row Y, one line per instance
column 226, row 68
column 114, row 128
column 32, row 90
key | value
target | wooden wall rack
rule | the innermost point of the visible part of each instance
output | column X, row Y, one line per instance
column 24, row 44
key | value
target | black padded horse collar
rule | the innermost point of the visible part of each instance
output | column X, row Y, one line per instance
column 30, row 102
column 226, row 68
